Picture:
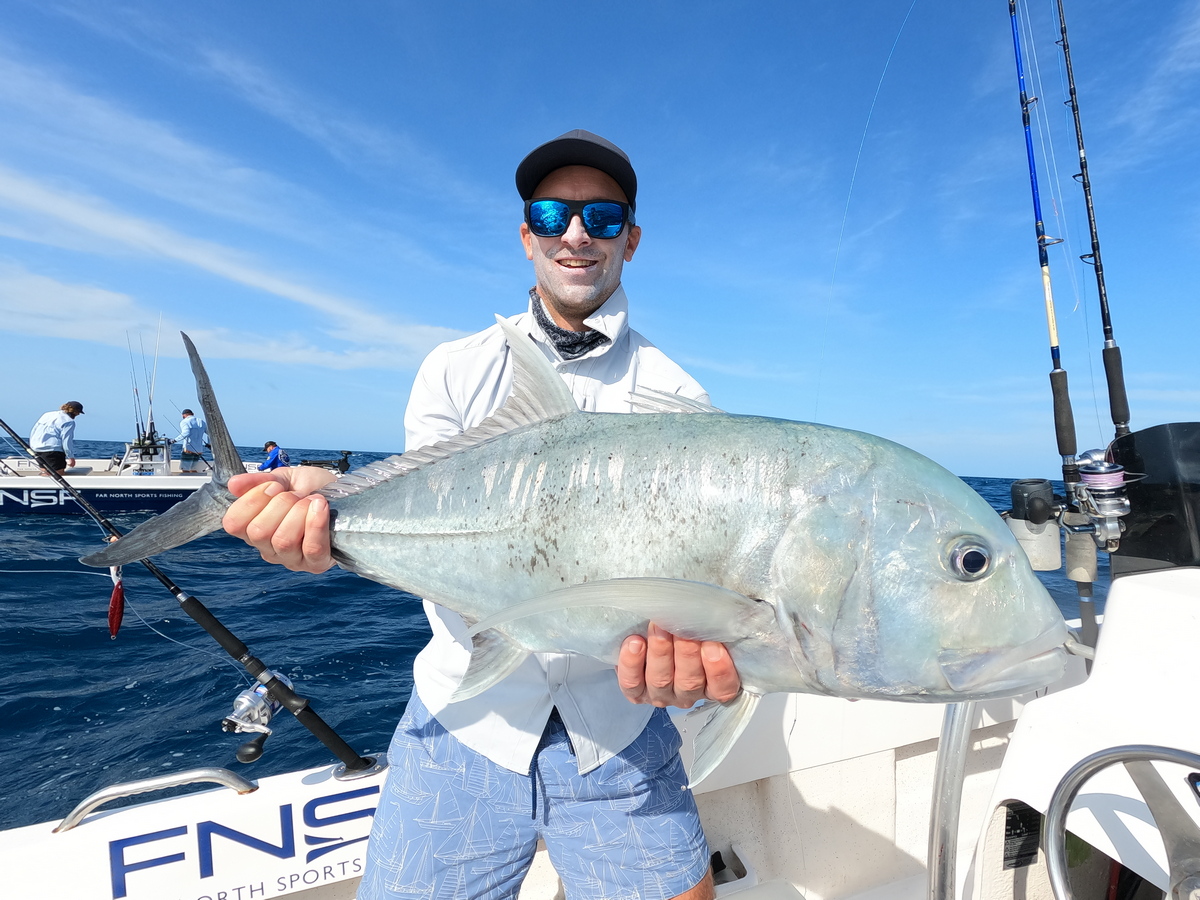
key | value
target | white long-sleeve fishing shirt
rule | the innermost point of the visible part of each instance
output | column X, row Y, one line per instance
column 192, row 435
column 54, row 431
column 459, row 385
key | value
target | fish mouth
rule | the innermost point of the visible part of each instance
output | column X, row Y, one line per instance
column 1033, row 664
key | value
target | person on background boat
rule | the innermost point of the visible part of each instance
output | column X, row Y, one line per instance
column 277, row 457
column 192, row 437
column 53, row 437
column 553, row 751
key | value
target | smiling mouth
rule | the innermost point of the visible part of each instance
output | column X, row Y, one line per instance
column 576, row 263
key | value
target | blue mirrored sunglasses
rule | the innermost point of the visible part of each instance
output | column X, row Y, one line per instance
column 551, row 217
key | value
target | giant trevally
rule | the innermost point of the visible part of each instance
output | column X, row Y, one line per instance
column 828, row 561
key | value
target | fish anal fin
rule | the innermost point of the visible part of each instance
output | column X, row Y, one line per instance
column 695, row 610
column 493, row 658
column 724, row 726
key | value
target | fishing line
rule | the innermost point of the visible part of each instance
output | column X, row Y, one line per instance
column 1066, row 88
column 224, row 659
column 1061, row 204
column 837, row 254
column 1046, row 140
column 1045, row 131
column 14, row 445
column 52, row 572
column 1064, row 420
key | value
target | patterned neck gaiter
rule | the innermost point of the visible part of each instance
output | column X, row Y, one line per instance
column 569, row 344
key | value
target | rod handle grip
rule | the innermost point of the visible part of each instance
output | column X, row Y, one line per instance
column 1118, row 400
column 1064, row 418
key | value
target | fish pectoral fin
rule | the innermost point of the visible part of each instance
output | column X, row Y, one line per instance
column 724, row 726
column 493, row 658
column 689, row 609
column 198, row 515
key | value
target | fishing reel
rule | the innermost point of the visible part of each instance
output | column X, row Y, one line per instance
column 1101, row 496
column 253, row 710
column 1098, row 502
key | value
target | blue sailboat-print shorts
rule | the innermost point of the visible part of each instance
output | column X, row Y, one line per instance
column 453, row 824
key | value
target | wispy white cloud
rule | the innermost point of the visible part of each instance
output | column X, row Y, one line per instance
column 363, row 147
column 346, row 138
column 85, row 139
column 49, row 121
column 39, row 306
column 1162, row 109
column 349, row 320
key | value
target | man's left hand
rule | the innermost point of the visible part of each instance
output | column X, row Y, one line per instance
column 665, row 670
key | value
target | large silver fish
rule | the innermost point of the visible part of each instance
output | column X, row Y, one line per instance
column 828, row 561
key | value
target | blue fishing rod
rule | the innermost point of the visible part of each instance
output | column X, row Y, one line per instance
column 1118, row 400
column 1064, row 418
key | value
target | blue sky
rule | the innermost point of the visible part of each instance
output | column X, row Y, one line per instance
column 319, row 193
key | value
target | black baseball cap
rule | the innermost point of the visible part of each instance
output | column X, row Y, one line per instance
column 577, row 148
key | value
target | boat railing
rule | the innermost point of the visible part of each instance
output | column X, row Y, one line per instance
column 145, row 459
column 208, row 774
column 18, row 466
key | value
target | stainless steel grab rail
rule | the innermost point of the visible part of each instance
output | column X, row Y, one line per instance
column 213, row 774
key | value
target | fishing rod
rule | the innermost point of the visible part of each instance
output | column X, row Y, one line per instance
column 274, row 683
column 1118, row 400
column 1096, row 499
column 153, row 380
column 1064, row 418
column 150, row 435
column 137, row 399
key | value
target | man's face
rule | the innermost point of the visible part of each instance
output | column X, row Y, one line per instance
column 577, row 273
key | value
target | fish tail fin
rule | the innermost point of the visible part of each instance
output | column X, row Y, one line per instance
column 227, row 462
column 493, row 658
column 199, row 514
column 719, row 733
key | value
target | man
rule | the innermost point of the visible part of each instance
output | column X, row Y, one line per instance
column 277, row 457
column 521, row 760
column 53, row 437
column 192, row 438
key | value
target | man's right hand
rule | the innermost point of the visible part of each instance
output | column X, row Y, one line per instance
column 276, row 515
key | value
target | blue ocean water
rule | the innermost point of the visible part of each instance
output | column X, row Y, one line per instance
column 79, row 711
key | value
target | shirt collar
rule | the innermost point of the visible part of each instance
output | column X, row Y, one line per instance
column 611, row 320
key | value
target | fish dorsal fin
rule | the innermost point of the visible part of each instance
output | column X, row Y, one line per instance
column 650, row 400
column 538, row 391
column 538, row 394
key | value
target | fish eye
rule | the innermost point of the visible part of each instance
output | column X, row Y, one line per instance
column 970, row 558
